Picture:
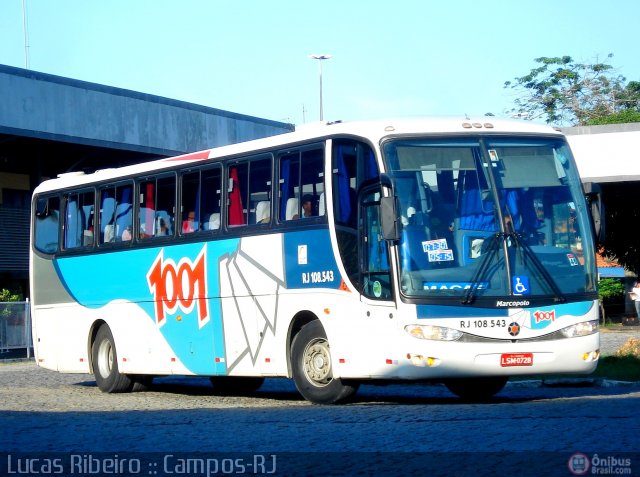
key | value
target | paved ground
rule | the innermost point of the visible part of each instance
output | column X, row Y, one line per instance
column 530, row 429
column 403, row 430
column 611, row 339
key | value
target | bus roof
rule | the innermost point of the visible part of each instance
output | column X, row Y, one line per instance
column 373, row 130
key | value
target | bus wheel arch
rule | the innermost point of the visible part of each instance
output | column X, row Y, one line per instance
column 104, row 362
column 311, row 366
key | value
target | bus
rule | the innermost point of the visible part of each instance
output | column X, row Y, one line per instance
column 430, row 249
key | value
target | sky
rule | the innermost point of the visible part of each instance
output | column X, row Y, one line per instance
column 388, row 58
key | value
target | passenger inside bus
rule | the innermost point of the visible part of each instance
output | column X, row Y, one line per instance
column 307, row 207
column 188, row 225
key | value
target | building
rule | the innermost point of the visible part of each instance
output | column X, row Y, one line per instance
column 51, row 125
column 610, row 156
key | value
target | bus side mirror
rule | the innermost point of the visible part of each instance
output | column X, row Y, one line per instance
column 593, row 194
column 389, row 218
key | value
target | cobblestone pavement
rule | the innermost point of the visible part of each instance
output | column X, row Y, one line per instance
column 611, row 339
column 398, row 429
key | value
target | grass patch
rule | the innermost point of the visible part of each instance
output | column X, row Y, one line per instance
column 624, row 365
column 619, row 367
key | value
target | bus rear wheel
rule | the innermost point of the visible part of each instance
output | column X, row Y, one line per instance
column 105, row 364
column 476, row 389
column 311, row 367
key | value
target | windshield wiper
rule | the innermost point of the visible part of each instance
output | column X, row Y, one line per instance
column 483, row 266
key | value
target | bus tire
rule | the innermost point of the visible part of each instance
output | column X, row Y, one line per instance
column 105, row 364
column 311, row 367
column 235, row 385
column 476, row 389
column 141, row 382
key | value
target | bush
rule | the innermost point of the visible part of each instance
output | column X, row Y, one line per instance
column 7, row 296
column 610, row 288
column 630, row 348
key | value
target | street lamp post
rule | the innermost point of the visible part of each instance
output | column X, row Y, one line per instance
column 320, row 58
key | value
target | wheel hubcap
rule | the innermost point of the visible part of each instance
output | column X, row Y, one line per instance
column 317, row 362
column 105, row 359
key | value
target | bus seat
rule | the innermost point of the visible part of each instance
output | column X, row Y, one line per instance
column 263, row 215
column 321, row 204
column 292, row 208
column 109, row 233
column 214, row 221
column 164, row 216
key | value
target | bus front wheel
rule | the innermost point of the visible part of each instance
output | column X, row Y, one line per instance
column 311, row 367
column 105, row 364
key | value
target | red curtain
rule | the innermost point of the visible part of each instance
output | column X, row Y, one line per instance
column 150, row 211
column 236, row 214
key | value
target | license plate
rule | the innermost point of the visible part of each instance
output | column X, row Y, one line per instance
column 516, row 359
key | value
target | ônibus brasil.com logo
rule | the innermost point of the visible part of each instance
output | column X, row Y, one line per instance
column 580, row 464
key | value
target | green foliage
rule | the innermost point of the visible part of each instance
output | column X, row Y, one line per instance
column 626, row 116
column 610, row 289
column 566, row 92
column 7, row 296
column 621, row 368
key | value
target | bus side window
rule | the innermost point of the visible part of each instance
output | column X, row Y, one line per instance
column 288, row 185
column 210, row 187
column 236, row 200
column 200, row 199
column 165, row 207
column 374, row 258
column 78, row 230
column 47, row 224
column 300, row 183
column 353, row 164
column 124, row 213
column 260, row 191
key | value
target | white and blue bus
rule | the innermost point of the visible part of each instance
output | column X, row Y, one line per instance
column 430, row 249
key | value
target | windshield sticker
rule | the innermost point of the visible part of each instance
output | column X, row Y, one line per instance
column 377, row 289
column 302, row 254
column 432, row 245
column 520, row 285
column 573, row 261
column 440, row 255
column 493, row 155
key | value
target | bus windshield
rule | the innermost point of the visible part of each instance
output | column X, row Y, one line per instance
column 490, row 218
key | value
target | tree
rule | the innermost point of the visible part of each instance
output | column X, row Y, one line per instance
column 566, row 92
column 610, row 290
column 625, row 116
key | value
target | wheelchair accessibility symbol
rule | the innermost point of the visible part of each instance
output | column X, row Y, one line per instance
column 520, row 285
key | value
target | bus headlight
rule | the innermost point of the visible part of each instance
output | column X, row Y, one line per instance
column 431, row 332
column 580, row 329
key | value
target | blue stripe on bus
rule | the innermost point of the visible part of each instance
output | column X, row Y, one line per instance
column 98, row 279
column 440, row 311
column 546, row 313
